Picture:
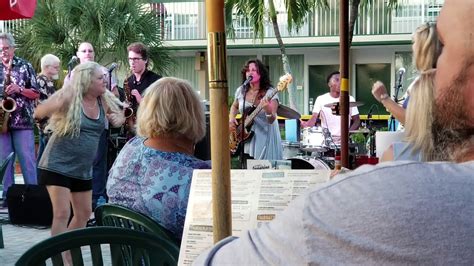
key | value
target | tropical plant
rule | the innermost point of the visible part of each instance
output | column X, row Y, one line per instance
column 59, row 26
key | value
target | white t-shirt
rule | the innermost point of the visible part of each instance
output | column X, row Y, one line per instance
column 328, row 120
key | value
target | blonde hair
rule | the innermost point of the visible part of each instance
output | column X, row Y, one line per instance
column 48, row 60
column 419, row 117
column 171, row 107
column 67, row 121
column 426, row 47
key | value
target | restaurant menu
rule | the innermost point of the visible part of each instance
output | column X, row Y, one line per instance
column 258, row 196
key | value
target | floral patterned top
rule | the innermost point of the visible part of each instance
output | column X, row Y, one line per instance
column 154, row 183
column 46, row 88
column 22, row 74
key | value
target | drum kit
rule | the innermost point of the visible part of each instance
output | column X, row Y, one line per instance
column 317, row 150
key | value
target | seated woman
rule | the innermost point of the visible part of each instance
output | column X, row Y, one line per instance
column 152, row 174
column 418, row 143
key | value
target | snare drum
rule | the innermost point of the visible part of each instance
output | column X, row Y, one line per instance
column 308, row 163
column 313, row 140
column 290, row 149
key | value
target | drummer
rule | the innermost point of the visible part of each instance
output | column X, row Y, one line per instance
column 328, row 119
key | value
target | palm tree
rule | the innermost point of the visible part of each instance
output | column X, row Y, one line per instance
column 255, row 11
column 110, row 25
column 354, row 12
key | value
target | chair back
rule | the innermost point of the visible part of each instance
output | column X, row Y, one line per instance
column 102, row 245
column 119, row 216
column 3, row 166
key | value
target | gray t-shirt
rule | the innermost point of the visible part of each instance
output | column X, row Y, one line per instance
column 73, row 156
column 392, row 213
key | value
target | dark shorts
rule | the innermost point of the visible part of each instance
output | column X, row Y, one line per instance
column 49, row 178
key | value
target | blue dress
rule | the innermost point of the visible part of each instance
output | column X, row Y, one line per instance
column 266, row 141
column 154, row 183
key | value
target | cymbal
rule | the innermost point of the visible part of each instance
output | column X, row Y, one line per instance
column 351, row 104
column 287, row 112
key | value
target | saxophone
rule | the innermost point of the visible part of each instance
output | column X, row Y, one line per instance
column 130, row 112
column 8, row 104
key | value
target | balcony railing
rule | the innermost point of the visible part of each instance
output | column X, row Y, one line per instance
column 186, row 20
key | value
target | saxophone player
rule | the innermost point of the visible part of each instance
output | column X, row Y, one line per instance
column 21, row 87
column 141, row 77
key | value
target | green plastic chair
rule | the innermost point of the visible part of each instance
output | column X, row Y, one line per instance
column 125, row 246
column 3, row 169
column 120, row 216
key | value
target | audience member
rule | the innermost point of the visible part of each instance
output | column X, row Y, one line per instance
column 425, row 52
column 18, row 82
column 77, row 113
column 418, row 142
column 152, row 174
column 395, row 212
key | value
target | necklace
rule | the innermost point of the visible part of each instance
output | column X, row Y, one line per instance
column 89, row 107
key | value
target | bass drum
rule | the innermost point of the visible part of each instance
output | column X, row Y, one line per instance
column 308, row 163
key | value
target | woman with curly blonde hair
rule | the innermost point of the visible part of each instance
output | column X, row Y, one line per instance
column 78, row 112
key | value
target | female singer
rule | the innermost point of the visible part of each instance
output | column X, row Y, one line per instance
column 78, row 112
column 266, row 141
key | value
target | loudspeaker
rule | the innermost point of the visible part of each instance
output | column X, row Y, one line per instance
column 29, row 204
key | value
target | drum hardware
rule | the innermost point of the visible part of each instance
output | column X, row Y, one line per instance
column 301, row 162
column 290, row 149
column 335, row 107
column 287, row 112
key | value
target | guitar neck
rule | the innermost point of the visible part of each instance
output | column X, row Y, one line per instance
column 249, row 119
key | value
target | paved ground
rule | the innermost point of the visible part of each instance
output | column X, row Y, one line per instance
column 18, row 239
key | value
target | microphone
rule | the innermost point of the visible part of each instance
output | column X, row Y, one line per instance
column 369, row 114
column 112, row 67
column 73, row 60
column 247, row 81
column 401, row 71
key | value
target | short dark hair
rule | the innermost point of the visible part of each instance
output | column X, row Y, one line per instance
column 332, row 74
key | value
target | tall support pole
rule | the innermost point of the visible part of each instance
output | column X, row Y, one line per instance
column 344, row 64
column 218, row 91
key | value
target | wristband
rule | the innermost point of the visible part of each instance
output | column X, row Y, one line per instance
column 269, row 115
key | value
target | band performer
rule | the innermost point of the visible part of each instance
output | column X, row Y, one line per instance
column 18, row 83
column 265, row 144
column 328, row 119
column 139, row 80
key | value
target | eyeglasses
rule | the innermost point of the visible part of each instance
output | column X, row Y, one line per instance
column 134, row 59
column 5, row 48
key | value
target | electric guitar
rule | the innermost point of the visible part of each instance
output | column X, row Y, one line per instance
column 236, row 140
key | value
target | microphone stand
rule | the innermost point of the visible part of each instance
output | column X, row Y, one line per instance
column 398, row 86
column 242, row 133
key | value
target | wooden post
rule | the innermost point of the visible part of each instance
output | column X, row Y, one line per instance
column 344, row 64
column 220, row 153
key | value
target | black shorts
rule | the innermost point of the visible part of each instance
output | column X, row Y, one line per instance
column 49, row 178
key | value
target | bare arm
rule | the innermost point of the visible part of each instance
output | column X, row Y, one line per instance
column 380, row 93
column 234, row 110
column 53, row 104
column 270, row 107
column 387, row 154
column 311, row 122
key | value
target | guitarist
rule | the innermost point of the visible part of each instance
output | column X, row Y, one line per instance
column 265, row 142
